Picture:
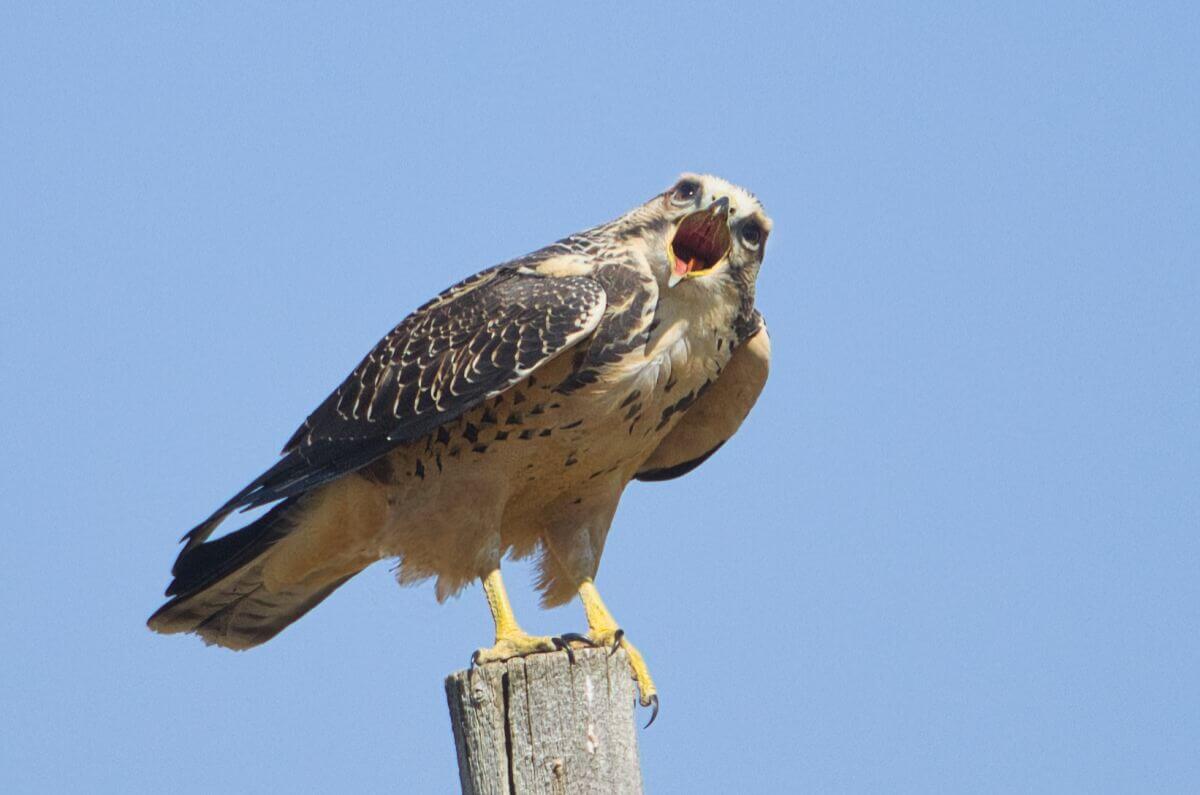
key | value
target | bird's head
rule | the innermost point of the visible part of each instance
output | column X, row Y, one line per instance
column 714, row 235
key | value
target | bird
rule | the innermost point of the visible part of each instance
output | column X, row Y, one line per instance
column 503, row 420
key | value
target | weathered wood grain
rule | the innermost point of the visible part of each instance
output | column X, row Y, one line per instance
column 541, row 724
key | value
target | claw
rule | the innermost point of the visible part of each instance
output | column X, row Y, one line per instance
column 620, row 633
column 654, row 714
column 573, row 637
column 561, row 643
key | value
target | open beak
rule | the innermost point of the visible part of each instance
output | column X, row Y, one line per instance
column 700, row 243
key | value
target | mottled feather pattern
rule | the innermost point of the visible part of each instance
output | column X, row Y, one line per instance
column 453, row 354
column 478, row 339
column 472, row 342
column 629, row 314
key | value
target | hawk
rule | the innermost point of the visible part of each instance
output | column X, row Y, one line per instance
column 505, row 418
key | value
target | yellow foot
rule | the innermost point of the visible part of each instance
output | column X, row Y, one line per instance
column 614, row 638
column 518, row 644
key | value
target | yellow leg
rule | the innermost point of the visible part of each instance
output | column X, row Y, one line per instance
column 603, row 631
column 511, row 640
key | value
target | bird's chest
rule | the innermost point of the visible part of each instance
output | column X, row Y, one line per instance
column 642, row 396
column 681, row 358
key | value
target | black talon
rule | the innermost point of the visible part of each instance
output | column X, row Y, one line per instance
column 654, row 714
column 575, row 636
column 620, row 633
column 560, row 643
column 474, row 659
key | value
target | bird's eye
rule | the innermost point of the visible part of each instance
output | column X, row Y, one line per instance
column 686, row 191
column 752, row 234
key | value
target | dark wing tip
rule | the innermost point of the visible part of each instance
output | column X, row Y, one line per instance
column 677, row 471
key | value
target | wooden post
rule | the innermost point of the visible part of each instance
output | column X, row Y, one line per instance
column 542, row 724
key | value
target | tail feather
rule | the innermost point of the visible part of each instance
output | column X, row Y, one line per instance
column 219, row 592
column 202, row 565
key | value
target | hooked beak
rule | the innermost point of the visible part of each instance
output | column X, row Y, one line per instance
column 700, row 243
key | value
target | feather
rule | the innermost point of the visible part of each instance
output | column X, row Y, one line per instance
column 472, row 342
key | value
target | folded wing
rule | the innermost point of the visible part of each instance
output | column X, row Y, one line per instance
column 472, row 342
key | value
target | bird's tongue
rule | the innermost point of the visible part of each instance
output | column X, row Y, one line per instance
column 682, row 268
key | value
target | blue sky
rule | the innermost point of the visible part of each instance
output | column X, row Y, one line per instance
column 954, row 549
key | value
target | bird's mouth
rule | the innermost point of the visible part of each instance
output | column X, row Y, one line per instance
column 700, row 242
